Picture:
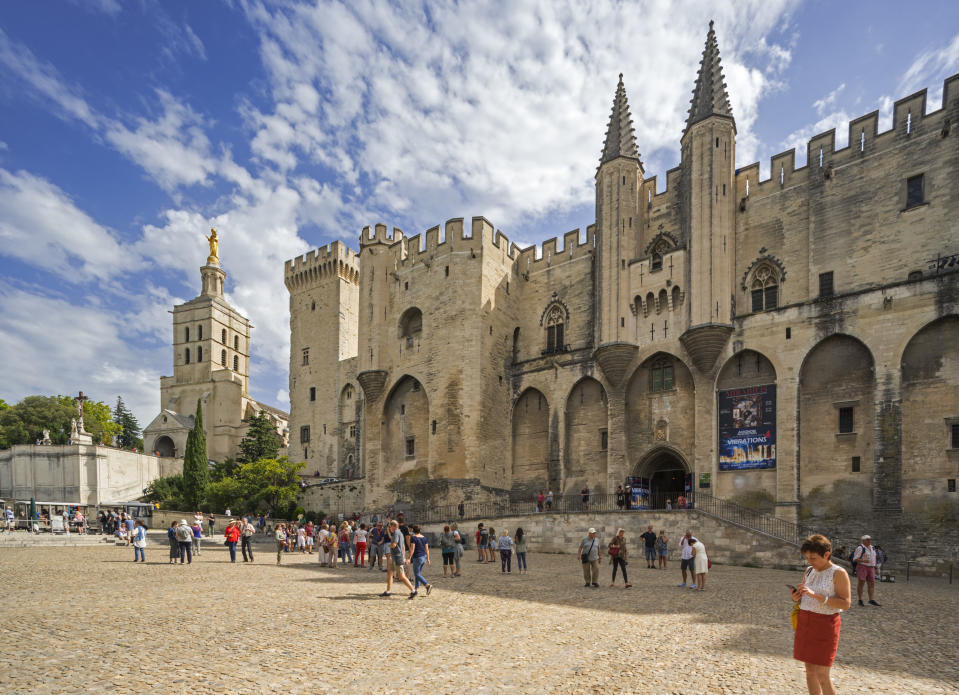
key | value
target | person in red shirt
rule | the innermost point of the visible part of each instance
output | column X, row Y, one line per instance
column 232, row 534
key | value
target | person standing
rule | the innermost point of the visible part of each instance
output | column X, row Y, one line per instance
column 375, row 539
column 322, row 544
column 396, row 560
column 521, row 551
column 419, row 558
column 628, row 495
column 700, row 564
column 662, row 549
column 211, row 520
column 139, row 542
column 492, row 547
column 686, row 558
column 8, row 515
column 482, row 540
column 506, row 552
column 232, row 534
column 301, row 539
column 360, row 536
column 198, row 518
column 448, row 549
column 864, row 559
column 822, row 595
column 184, row 538
column 585, row 493
column 459, row 549
column 589, row 557
column 540, row 501
column 280, row 536
column 171, row 539
column 549, row 501
column 247, row 530
column 197, row 530
column 618, row 556
column 620, row 498
column 310, row 532
column 649, row 544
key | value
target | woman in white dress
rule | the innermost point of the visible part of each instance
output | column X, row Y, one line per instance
column 700, row 564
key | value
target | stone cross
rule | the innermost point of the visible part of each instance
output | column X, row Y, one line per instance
column 80, row 399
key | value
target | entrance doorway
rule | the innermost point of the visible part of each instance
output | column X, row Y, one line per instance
column 164, row 446
column 666, row 472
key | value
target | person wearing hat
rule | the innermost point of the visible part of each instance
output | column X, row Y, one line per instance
column 865, row 561
column 184, row 538
column 589, row 557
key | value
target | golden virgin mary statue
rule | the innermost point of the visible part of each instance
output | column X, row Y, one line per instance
column 214, row 257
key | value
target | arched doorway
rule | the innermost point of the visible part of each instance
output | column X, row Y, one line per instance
column 665, row 471
column 164, row 446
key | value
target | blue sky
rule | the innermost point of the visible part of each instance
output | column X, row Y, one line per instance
column 127, row 129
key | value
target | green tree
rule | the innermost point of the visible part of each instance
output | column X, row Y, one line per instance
column 129, row 436
column 270, row 484
column 3, row 404
column 98, row 421
column 261, row 440
column 196, row 465
column 24, row 422
column 168, row 492
column 226, row 468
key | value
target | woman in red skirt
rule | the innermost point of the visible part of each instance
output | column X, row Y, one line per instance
column 823, row 594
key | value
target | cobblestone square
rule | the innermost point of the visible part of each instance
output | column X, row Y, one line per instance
column 88, row 620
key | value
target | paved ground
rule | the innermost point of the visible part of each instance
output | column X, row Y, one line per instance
column 87, row 620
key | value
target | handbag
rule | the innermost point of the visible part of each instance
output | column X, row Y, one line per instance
column 584, row 558
column 614, row 551
column 794, row 613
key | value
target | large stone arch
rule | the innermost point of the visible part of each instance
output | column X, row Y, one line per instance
column 164, row 446
column 587, row 420
column 530, row 450
column 406, row 416
column 746, row 388
column 664, row 468
column 658, row 416
column 930, row 410
column 837, row 373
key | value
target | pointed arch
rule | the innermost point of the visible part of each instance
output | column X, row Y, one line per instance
column 530, row 443
column 587, row 422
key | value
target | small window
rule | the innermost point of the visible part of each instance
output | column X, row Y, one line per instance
column 352, row 431
column 199, row 332
column 604, row 439
column 447, row 271
column 312, row 393
column 955, row 436
column 324, row 428
column 410, row 447
column 306, row 355
column 406, row 285
column 951, row 484
column 306, row 453
column 236, row 342
column 312, row 306
column 846, row 420
column 914, row 192
column 661, row 377
column 236, row 363
column 222, row 358
column 199, row 354
column 187, row 330
column 186, row 356
column 433, row 427
column 657, row 262
column 757, row 300
column 403, row 409
column 789, row 333
column 223, row 336
column 825, row 284
column 304, row 434
column 856, row 464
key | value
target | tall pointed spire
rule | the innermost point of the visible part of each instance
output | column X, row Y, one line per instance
column 620, row 136
column 709, row 94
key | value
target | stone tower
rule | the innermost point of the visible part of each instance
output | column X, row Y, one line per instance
column 708, row 220
column 619, row 219
column 324, row 302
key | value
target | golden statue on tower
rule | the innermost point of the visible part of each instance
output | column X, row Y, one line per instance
column 214, row 257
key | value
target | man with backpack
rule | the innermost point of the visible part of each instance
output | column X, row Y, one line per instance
column 864, row 560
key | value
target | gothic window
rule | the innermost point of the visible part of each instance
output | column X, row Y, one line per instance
column 411, row 325
column 657, row 261
column 223, row 336
column 222, row 358
column 187, row 356
column 661, row 376
column 304, row 434
column 306, row 355
column 236, row 342
column 236, row 363
column 352, row 431
column 765, row 289
column 555, row 329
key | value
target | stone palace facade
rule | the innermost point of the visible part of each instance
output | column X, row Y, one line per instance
column 720, row 331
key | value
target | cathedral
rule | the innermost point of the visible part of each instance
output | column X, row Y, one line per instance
column 715, row 332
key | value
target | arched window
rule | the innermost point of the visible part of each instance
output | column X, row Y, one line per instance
column 663, row 303
column 650, row 303
column 236, row 342
column 677, row 297
column 223, row 357
column 411, row 325
column 236, row 363
column 555, row 329
column 223, row 336
column 186, row 356
column 199, row 354
column 765, row 289
column 199, row 334
column 661, row 376
column 187, row 338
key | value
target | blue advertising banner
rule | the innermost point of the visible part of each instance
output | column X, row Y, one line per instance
column 747, row 428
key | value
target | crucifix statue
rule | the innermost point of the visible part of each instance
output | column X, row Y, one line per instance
column 79, row 399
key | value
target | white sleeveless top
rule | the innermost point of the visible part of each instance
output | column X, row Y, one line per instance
column 821, row 583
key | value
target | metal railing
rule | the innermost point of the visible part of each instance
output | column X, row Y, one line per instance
column 751, row 519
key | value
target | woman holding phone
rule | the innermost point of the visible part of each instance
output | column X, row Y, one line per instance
column 822, row 595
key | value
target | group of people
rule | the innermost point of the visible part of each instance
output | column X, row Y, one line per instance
column 656, row 549
column 488, row 544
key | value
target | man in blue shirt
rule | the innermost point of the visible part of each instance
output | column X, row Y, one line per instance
column 397, row 560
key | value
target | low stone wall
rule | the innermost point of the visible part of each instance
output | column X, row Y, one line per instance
column 725, row 543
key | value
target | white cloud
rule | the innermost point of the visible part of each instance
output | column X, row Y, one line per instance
column 823, row 105
column 41, row 226
column 928, row 68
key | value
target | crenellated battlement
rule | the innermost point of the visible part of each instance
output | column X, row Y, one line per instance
column 333, row 260
column 534, row 259
column 911, row 123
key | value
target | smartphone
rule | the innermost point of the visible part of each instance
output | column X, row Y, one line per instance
column 791, row 587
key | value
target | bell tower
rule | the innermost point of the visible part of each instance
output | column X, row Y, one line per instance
column 708, row 210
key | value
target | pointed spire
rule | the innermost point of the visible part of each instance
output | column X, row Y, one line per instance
column 620, row 136
column 709, row 94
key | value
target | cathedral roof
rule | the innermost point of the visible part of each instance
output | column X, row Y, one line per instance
column 620, row 136
column 709, row 94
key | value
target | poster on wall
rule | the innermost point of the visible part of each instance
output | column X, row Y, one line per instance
column 747, row 428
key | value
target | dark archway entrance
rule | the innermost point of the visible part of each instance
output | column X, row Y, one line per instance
column 666, row 473
column 164, row 446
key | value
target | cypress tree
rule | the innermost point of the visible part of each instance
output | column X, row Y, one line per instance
column 196, row 466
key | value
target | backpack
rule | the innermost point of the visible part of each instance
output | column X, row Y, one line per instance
column 183, row 533
column 853, row 555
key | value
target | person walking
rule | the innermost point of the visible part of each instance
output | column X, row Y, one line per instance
column 448, row 549
column 505, row 543
column 174, row 545
column 662, row 549
column 139, row 541
column 280, row 536
column 700, row 564
column 184, row 538
column 618, row 556
column 360, row 536
column 686, row 558
column 211, row 520
column 375, row 539
column 247, row 529
column 197, row 530
column 419, row 558
column 232, row 534
column 459, row 549
column 864, row 558
column 396, row 560
column 520, row 541
column 589, row 557
column 823, row 593
column 649, row 545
